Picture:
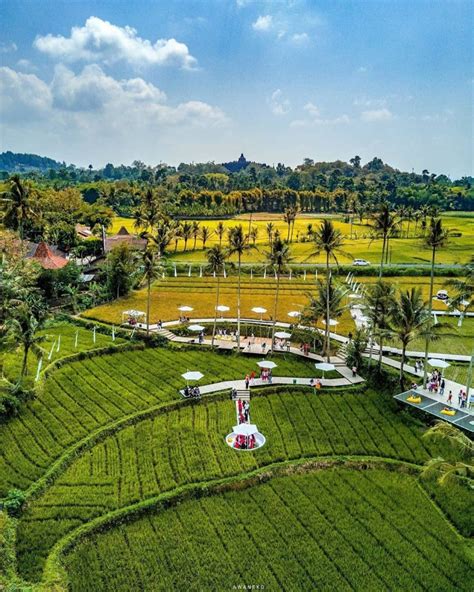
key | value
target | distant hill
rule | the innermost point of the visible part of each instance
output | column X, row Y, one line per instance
column 16, row 162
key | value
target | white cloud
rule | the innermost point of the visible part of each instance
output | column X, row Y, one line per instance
column 99, row 40
column 300, row 38
column 26, row 65
column 23, row 96
column 92, row 99
column 278, row 104
column 374, row 115
column 8, row 47
column 367, row 102
column 263, row 23
column 314, row 118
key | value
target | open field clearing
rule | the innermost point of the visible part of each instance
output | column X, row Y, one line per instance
column 402, row 250
column 187, row 445
column 330, row 530
column 199, row 293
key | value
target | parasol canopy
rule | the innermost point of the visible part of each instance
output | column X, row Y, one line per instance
column 192, row 375
column 268, row 364
column 185, row 308
column 259, row 310
column 438, row 363
column 332, row 322
column 324, row 366
column 282, row 335
column 294, row 313
column 222, row 308
column 196, row 328
column 245, row 429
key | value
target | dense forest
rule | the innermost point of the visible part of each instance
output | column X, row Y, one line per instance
column 209, row 189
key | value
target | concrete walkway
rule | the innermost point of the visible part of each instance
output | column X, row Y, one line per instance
column 228, row 385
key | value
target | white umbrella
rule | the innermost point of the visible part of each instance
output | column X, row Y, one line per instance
column 332, row 322
column 438, row 363
column 222, row 308
column 185, row 308
column 245, row 429
column 192, row 375
column 267, row 364
column 282, row 335
column 259, row 310
column 324, row 367
column 294, row 314
column 196, row 328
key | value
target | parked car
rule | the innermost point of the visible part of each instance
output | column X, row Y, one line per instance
column 361, row 262
column 442, row 295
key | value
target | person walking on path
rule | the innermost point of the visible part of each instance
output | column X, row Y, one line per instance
column 460, row 398
column 247, row 381
column 450, row 397
column 442, row 387
column 354, row 371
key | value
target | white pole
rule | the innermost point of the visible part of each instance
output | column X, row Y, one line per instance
column 304, row 275
column 93, row 335
column 113, row 332
column 38, row 370
column 264, row 272
column 224, row 271
column 251, row 273
column 175, row 270
column 290, row 273
column 189, row 271
column 200, row 271
column 58, row 347
column 76, row 338
column 51, row 350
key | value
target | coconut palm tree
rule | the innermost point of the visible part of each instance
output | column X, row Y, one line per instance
column 254, row 235
column 270, row 229
column 278, row 258
column 327, row 297
column 205, row 235
column 18, row 209
column 379, row 303
column 237, row 245
column 22, row 325
column 194, row 232
column 186, row 232
column 152, row 269
column 220, row 230
column 289, row 217
column 148, row 213
column 435, row 238
column 329, row 241
column 216, row 257
column 410, row 319
column 165, row 231
column 462, row 447
column 384, row 224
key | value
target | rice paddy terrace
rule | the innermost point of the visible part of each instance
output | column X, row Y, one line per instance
column 130, row 487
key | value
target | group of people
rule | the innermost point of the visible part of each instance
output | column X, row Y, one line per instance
column 183, row 319
column 192, row 392
column 436, row 383
column 315, row 383
column 226, row 333
column 462, row 398
column 265, row 376
column 419, row 367
column 245, row 442
column 243, row 411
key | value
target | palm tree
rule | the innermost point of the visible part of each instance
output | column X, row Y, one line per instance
column 18, row 209
column 151, row 271
column 410, row 320
column 328, row 296
column 462, row 299
column 147, row 214
column 436, row 238
column 384, row 224
column 205, row 235
column 329, row 241
column 460, row 444
column 23, row 323
column 254, row 235
column 177, row 235
column 270, row 229
column 237, row 244
column 379, row 303
column 216, row 258
column 195, row 232
column 187, row 232
column 278, row 257
column 289, row 217
column 220, row 230
column 164, row 234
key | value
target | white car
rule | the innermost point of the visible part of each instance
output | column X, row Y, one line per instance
column 361, row 262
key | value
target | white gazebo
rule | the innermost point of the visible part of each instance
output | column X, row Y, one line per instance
column 245, row 436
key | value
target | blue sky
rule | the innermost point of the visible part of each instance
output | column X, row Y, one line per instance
column 199, row 80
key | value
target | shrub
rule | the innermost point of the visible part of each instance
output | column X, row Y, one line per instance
column 14, row 501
